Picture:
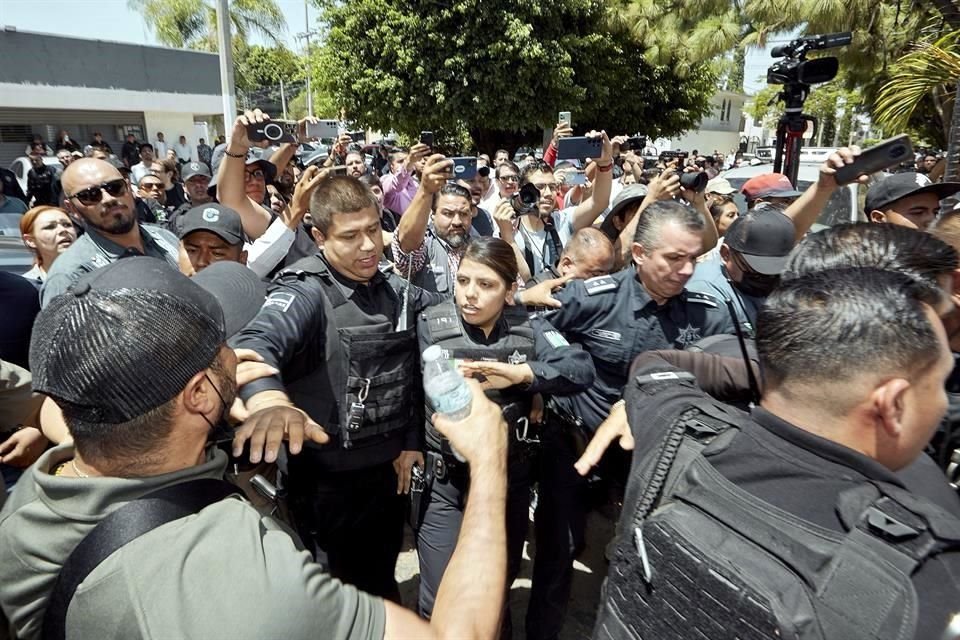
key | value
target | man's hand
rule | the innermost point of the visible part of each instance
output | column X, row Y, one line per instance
column 435, row 173
column 267, row 428
column 562, row 130
column 666, row 186
column 339, row 149
column 616, row 142
column 505, row 217
column 23, row 448
column 250, row 367
column 403, row 465
column 828, row 170
column 539, row 295
column 417, row 153
column 498, row 375
column 300, row 203
column 614, row 427
column 302, row 127
column 606, row 153
column 239, row 138
column 481, row 437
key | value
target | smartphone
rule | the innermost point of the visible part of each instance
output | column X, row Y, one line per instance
column 338, row 171
column 888, row 153
column 464, row 168
column 274, row 131
column 564, row 116
column 324, row 129
column 634, row 144
column 426, row 137
column 579, row 147
column 358, row 136
column 577, row 178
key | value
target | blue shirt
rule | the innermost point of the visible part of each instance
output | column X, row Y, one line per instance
column 710, row 278
column 614, row 319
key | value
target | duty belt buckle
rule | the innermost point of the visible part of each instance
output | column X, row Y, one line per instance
column 953, row 468
column 522, row 431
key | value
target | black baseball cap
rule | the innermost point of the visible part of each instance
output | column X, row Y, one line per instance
column 192, row 169
column 764, row 236
column 885, row 192
column 215, row 218
column 104, row 349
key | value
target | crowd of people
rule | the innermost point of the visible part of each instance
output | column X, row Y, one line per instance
column 257, row 315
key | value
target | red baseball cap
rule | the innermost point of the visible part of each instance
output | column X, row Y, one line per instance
column 769, row 185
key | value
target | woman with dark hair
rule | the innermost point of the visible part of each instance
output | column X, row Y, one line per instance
column 516, row 358
column 724, row 211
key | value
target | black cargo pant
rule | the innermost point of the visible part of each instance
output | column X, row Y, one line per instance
column 559, row 529
column 440, row 528
column 351, row 520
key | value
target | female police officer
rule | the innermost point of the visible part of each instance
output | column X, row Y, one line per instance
column 516, row 357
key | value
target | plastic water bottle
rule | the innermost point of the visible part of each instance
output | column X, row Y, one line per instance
column 445, row 387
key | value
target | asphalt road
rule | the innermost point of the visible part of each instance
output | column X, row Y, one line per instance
column 589, row 572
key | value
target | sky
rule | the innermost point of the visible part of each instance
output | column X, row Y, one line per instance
column 113, row 20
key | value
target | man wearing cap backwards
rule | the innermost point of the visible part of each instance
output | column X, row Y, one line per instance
column 772, row 188
column 753, row 252
column 95, row 192
column 225, row 571
column 343, row 336
column 907, row 199
column 212, row 233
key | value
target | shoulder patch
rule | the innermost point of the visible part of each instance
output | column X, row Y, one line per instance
column 555, row 339
column 279, row 299
column 702, row 298
column 599, row 284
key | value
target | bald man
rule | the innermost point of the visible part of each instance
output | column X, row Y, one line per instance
column 588, row 254
column 96, row 193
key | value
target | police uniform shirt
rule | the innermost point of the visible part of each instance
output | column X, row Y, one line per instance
column 93, row 250
column 226, row 572
column 559, row 368
column 709, row 278
column 614, row 319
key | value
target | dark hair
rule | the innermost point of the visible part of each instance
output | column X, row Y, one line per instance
column 499, row 151
column 144, row 145
column 532, row 168
column 832, row 325
column 370, row 180
column 496, row 254
column 451, row 189
column 659, row 213
column 339, row 195
column 128, row 445
column 881, row 245
column 716, row 209
column 509, row 164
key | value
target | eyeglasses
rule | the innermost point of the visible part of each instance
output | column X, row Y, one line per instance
column 511, row 179
column 253, row 175
column 547, row 186
column 94, row 195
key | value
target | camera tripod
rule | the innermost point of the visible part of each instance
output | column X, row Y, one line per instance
column 790, row 129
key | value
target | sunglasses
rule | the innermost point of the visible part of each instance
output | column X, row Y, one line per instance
column 511, row 179
column 94, row 195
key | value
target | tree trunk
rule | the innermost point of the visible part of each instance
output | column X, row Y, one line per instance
column 953, row 144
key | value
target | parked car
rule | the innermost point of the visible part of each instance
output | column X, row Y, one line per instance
column 21, row 166
column 843, row 205
column 15, row 257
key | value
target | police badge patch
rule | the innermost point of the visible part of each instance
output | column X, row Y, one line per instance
column 516, row 357
column 688, row 335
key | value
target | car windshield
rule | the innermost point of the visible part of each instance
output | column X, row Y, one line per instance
column 837, row 211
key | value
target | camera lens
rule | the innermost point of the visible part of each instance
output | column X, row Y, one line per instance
column 694, row 181
column 525, row 201
column 272, row 131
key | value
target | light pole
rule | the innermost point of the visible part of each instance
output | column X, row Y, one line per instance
column 225, row 45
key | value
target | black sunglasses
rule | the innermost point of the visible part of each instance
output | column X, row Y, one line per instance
column 94, row 195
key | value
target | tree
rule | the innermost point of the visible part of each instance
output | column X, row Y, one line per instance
column 192, row 24
column 499, row 69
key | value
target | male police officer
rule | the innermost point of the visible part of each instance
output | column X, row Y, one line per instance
column 343, row 336
column 614, row 318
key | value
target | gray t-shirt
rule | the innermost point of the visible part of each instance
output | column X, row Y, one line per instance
column 226, row 572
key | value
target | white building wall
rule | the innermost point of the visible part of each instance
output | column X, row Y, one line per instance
column 173, row 125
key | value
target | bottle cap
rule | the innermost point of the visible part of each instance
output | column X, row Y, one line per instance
column 432, row 353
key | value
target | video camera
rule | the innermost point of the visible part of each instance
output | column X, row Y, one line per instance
column 638, row 143
column 796, row 69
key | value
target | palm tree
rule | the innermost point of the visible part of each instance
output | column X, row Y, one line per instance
column 930, row 70
column 192, row 24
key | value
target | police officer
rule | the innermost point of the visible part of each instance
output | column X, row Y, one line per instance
column 748, row 264
column 517, row 359
column 342, row 335
column 614, row 318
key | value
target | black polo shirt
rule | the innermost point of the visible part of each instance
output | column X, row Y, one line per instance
column 804, row 474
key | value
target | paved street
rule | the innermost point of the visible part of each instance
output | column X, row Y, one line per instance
column 588, row 576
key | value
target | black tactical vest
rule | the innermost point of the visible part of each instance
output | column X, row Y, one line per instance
column 441, row 325
column 370, row 389
column 698, row 557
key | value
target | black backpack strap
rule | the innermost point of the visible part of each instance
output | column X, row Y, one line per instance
column 125, row 525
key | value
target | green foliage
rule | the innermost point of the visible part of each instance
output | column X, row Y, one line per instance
column 192, row 24
column 259, row 66
column 498, row 69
